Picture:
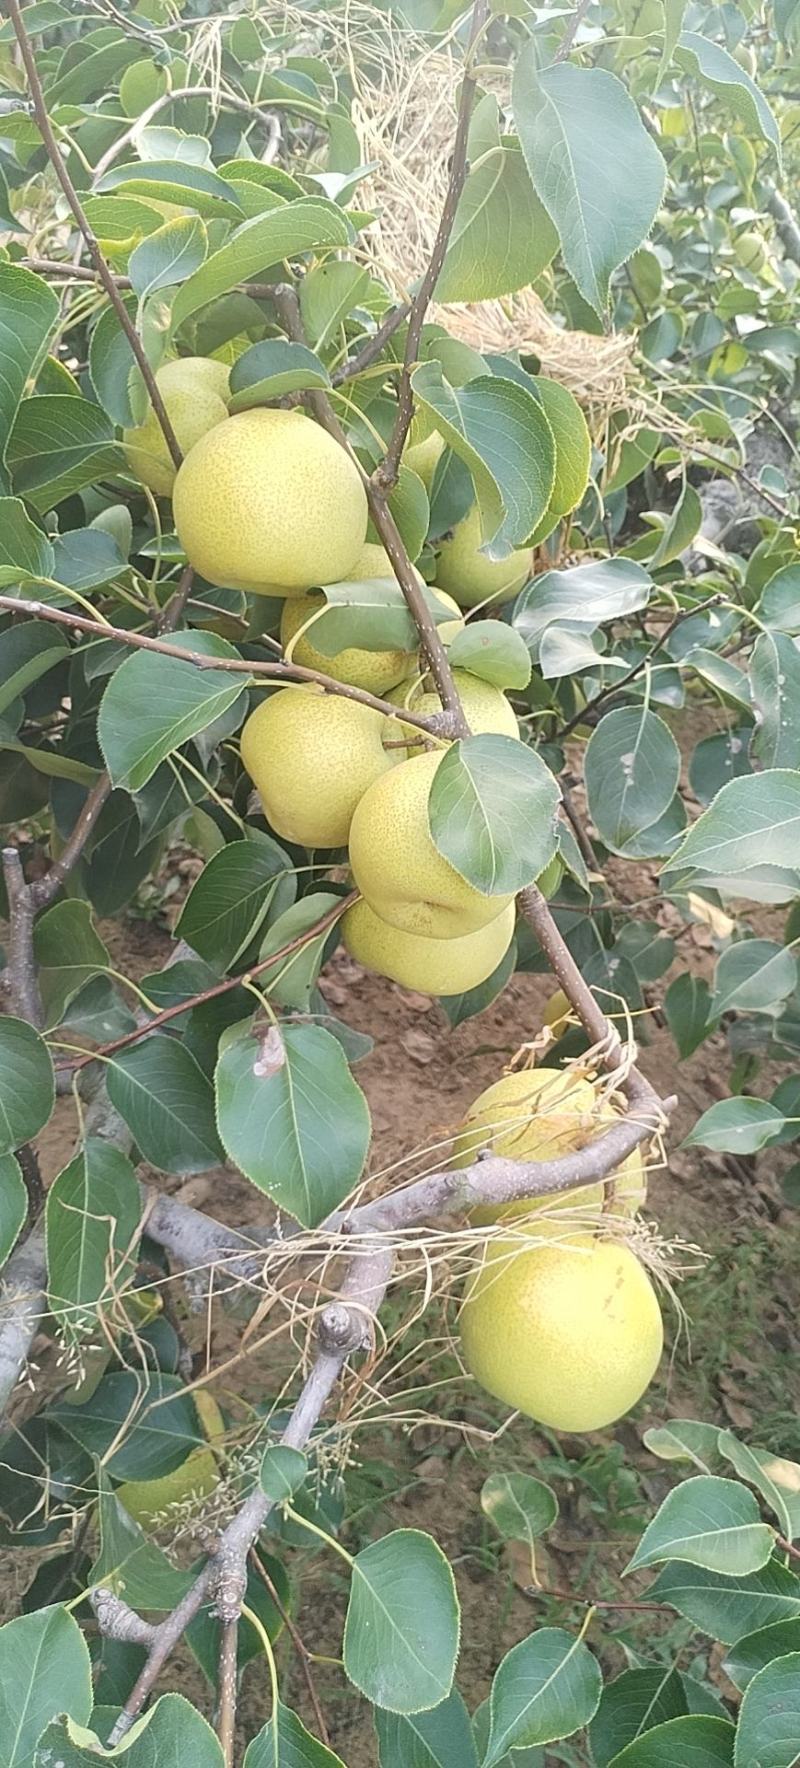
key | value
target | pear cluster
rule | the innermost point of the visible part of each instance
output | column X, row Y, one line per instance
column 268, row 503
column 559, row 1319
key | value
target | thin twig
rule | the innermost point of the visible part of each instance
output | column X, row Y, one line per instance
column 108, row 281
column 661, row 1608
column 243, row 105
column 45, row 889
column 371, row 349
column 278, row 671
column 228, row 1688
column 388, row 471
column 172, row 612
column 303, row 1654
column 592, row 707
column 572, row 29
column 73, row 1063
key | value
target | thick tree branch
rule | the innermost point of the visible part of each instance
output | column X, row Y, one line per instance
column 105, row 276
column 370, row 350
column 228, row 1686
column 388, row 471
column 21, row 985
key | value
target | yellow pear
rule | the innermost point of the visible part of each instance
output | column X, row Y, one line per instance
column 423, row 457
column 397, row 868
column 374, row 670
column 269, row 503
column 431, row 966
column 194, row 390
column 537, row 1114
column 470, row 575
column 311, row 757
column 485, row 707
column 556, row 1013
column 568, row 1330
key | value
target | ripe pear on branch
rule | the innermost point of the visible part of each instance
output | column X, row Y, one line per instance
column 269, row 503
column 470, row 575
column 195, row 392
column 430, row 966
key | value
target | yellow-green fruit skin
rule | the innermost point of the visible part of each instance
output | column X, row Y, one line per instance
column 377, row 671
column 194, row 393
column 485, row 707
column 397, row 868
column 311, row 757
column 147, row 1500
column 537, row 1114
column 423, row 457
column 472, row 577
column 430, row 966
column 270, row 504
column 568, row 1332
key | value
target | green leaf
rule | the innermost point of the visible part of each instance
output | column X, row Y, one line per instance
column 502, row 238
column 752, row 822
column 167, row 1103
column 632, row 767
column 28, row 313
column 717, row 760
column 282, row 1472
column 69, row 952
column 59, row 444
column 267, row 240
column 606, row 589
column 728, row 1607
column 24, row 550
column 546, row 1687
column 440, row 1738
column 110, row 362
column 687, row 1004
column 580, row 134
column 371, row 614
column 775, row 687
column 769, row 1716
column 492, row 813
column 779, row 607
column 152, row 1424
column 131, row 1564
column 227, row 905
column 737, row 1126
column 492, row 651
column 154, row 703
column 293, row 1119
column 632, row 1705
column 328, row 294
column 686, row 1439
column 86, row 558
column 753, row 1652
column 290, row 982
column 284, row 1743
column 573, row 444
column 679, row 528
column 9, row 222
column 698, row 1741
column 44, row 1670
column 708, row 1522
column 460, row 1007
column 520, row 1506
column 168, row 256
column 753, row 976
column 718, row 70
column 167, row 181
column 27, row 1084
column 13, row 1204
column 272, row 368
column 172, row 1731
column 502, row 434
column 402, row 1629
column 777, row 1480
column 27, row 652
column 92, row 1219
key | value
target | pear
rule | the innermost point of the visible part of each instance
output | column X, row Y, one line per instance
column 311, row 757
column 470, row 575
column 194, row 390
column 397, row 868
column 485, row 707
column 269, row 503
column 538, row 1114
column 431, row 966
column 423, row 457
column 377, row 671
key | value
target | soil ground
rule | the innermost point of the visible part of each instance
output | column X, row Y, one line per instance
column 737, row 1365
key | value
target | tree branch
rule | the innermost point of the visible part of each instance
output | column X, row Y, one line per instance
column 371, row 349
column 228, row 1687
column 572, row 29
column 22, row 985
column 632, row 674
column 45, row 889
column 387, row 472
column 106, row 277
column 277, row 671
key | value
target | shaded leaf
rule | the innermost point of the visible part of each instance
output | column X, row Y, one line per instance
column 27, row 1083
column 718, row 70
column 492, row 813
column 92, row 1219
column 520, row 1506
column 168, row 1104
column 439, row 1738
column 284, row 1742
column 59, row 443
column 687, row 1004
column 27, row 651
column 631, row 767
column 69, row 952
column 131, row 1564
column 502, row 434
column 631, row 1705
column 141, row 1429
column 154, row 703
column 775, row 687
column 728, row 1607
column 172, row 1730
column 282, row 1472
column 28, row 313
column 753, row 976
column 698, row 1741
column 13, row 1204
column 44, row 1670
column 769, row 1716
column 24, row 550
column 227, row 905
column 168, row 256
column 753, row 1652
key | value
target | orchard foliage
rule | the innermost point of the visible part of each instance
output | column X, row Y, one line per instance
column 629, row 162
